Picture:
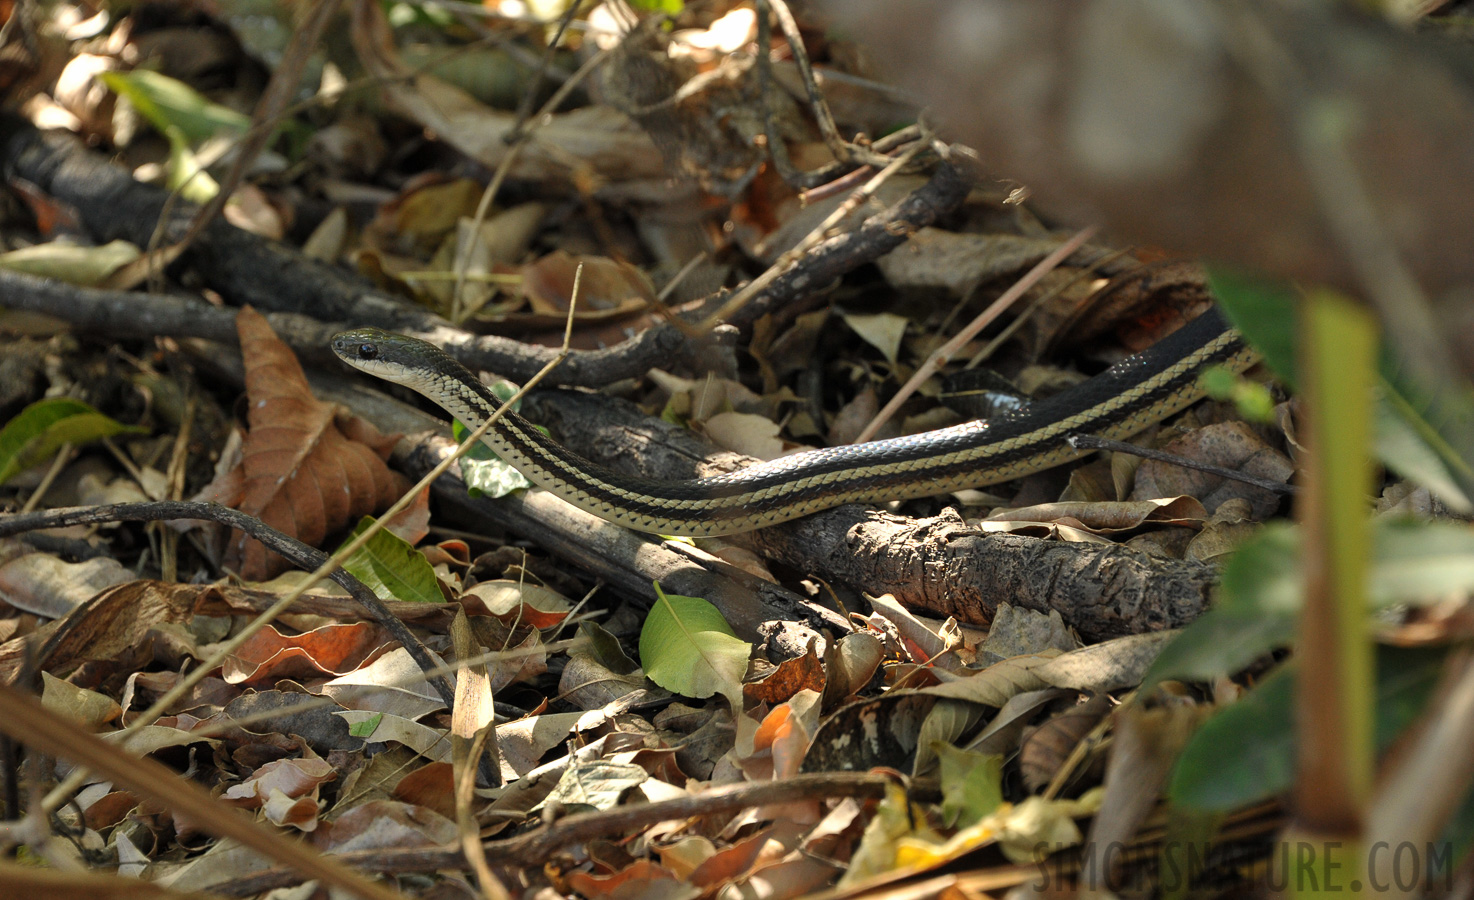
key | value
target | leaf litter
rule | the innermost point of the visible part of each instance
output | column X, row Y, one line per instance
column 984, row 740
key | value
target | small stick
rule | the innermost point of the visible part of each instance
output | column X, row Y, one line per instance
column 942, row 354
column 1089, row 442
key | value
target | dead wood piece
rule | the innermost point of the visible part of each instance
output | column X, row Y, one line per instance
column 135, row 315
column 249, row 269
column 939, row 564
column 628, row 561
column 799, row 289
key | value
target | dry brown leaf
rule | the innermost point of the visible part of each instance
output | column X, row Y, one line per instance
column 385, row 824
column 791, row 676
column 1228, row 445
column 642, row 873
column 294, row 778
column 1110, row 517
column 302, row 473
column 593, row 142
column 331, row 650
column 1048, row 747
column 606, row 284
column 47, row 586
column 431, row 786
column 111, row 629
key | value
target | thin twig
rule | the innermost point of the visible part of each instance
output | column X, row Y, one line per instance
column 24, row 718
column 518, row 137
column 288, row 548
column 63, row 791
column 944, row 353
column 1090, row 442
column 810, row 240
column 63, row 456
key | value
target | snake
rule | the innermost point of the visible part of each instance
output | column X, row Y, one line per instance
column 1121, row 401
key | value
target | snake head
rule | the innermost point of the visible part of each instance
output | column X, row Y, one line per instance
column 395, row 357
column 364, row 345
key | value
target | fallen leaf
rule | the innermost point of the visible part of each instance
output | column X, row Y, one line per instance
column 300, row 472
column 605, row 284
column 42, row 584
column 39, row 430
column 686, row 646
column 269, row 655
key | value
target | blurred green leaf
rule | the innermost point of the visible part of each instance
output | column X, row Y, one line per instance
column 1246, row 752
column 1264, row 312
column 972, row 784
column 39, row 430
column 1426, row 435
column 669, row 7
column 168, row 103
column 1259, row 598
column 88, row 266
column 391, row 568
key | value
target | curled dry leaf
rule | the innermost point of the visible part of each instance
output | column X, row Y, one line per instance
column 606, row 284
column 301, row 472
column 333, row 649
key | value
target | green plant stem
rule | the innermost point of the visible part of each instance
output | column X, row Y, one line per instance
column 1335, row 700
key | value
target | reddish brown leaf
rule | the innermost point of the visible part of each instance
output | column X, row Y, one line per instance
column 330, row 650
column 304, row 475
column 431, row 786
column 606, row 284
column 642, row 871
column 791, row 676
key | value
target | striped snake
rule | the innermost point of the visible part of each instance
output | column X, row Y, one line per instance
column 1119, row 402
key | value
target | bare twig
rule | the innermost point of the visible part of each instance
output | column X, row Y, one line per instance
column 1090, row 442
column 811, row 240
column 944, row 353
column 289, row 548
column 25, row 719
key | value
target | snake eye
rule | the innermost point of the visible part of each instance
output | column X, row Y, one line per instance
column 368, row 351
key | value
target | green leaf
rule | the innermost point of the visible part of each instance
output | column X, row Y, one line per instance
column 1246, row 753
column 1263, row 311
column 1440, row 419
column 1414, row 449
column 1259, row 598
column 391, row 568
column 1420, row 562
column 485, row 473
column 186, row 175
column 687, row 647
column 365, row 728
column 669, row 7
column 1424, row 435
column 87, row 266
column 168, row 103
column 39, row 430
column 605, row 649
column 972, row 784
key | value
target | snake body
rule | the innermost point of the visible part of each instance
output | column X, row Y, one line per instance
column 1119, row 402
